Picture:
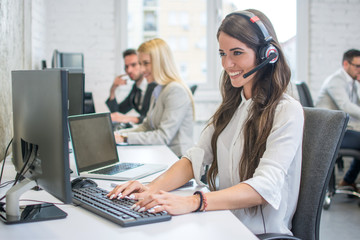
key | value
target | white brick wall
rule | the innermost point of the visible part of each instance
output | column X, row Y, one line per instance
column 38, row 32
column 88, row 26
column 11, row 58
column 85, row 26
column 334, row 28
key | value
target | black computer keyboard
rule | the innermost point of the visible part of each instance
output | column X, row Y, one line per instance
column 118, row 211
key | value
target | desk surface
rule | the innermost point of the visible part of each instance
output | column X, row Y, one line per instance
column 83, row 224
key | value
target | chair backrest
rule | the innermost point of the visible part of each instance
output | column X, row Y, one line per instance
column 323, row 133
column 349, row 152
column 304, row 95
column 89, row 106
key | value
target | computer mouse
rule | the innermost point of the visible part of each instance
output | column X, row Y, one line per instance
column 82, row 182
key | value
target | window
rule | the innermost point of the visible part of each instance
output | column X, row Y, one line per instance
column 189, row 27
column 172, row 18
column 150, row 23
column 182, row 24
column 283, row 21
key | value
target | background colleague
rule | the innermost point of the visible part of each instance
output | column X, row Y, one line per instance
column 250, row 172
column 340, row 91
column 170, row 117
column 139, row 96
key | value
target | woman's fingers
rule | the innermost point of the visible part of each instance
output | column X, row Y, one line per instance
column 117, row 190
column 161, row 201
column 164, row 201
column 149, row 202
column 153, row 202
column 126, row 189
column 133, row 190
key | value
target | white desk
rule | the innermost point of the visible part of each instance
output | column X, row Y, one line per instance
column 82, row 224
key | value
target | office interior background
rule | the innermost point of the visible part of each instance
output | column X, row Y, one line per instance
column 314, row 34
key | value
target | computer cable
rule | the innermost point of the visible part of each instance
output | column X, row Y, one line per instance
column 23, row 170
column 2, row 204
column 3, row 165
column 20, row 174
column 4, row 184
column 2, row 209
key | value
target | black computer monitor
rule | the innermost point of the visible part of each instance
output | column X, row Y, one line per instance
column 76, row 93
column 40, row 143
column 73, row 62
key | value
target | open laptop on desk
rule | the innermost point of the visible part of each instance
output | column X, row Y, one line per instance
column 95, row 150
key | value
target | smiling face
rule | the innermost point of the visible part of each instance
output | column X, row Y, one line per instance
column 146, row 66
column 237, row 59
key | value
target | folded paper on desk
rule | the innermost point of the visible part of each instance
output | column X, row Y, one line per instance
column 95, row 150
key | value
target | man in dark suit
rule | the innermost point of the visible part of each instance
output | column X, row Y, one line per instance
column 139, row 96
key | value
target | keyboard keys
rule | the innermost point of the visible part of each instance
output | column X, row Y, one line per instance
column 117, row 210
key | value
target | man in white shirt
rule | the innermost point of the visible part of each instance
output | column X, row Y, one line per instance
column 340, row 91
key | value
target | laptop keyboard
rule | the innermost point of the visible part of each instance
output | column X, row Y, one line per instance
column 118, row 168
column 116, row 210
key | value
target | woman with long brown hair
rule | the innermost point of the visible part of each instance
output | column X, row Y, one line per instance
column 253, row 142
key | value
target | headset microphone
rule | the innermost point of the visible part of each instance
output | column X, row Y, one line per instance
column 261, row 65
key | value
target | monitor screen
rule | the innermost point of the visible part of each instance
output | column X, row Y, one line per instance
column 71, row 60
column 40, row 114
column 89, row 134
column 76, row 93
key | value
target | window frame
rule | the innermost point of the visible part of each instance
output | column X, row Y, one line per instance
column 214, row 17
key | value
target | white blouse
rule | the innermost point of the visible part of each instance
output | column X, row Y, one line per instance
column 276, row 179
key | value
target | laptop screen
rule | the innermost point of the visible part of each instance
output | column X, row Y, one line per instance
column 93, row 141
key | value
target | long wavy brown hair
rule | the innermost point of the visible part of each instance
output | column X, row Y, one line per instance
column 269, row 85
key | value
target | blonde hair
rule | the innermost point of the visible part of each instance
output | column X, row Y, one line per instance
column 163, row 65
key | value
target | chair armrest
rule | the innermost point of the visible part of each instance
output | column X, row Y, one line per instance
column 276, row 236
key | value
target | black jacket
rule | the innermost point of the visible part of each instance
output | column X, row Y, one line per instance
column 129, row 102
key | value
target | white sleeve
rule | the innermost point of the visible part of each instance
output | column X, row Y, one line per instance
column 337, row 91
column 201, row 154
column 283, row 143
column 176, row 102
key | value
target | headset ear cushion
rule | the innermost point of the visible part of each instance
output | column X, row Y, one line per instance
column 267, row 50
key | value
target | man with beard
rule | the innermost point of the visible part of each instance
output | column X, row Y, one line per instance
column 139, row 96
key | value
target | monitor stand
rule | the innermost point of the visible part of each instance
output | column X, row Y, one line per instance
column 29, row 213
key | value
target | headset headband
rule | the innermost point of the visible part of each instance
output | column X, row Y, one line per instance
column 254, row 19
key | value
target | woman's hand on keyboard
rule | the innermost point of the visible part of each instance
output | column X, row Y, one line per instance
column 169, row 202
column 154, row 201
column 131, row 189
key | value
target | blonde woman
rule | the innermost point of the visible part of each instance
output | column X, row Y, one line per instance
column 170, row 117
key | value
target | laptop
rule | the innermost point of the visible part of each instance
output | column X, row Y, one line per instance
column 95, row 150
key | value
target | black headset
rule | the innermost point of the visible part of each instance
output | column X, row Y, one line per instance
column 267, row 49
